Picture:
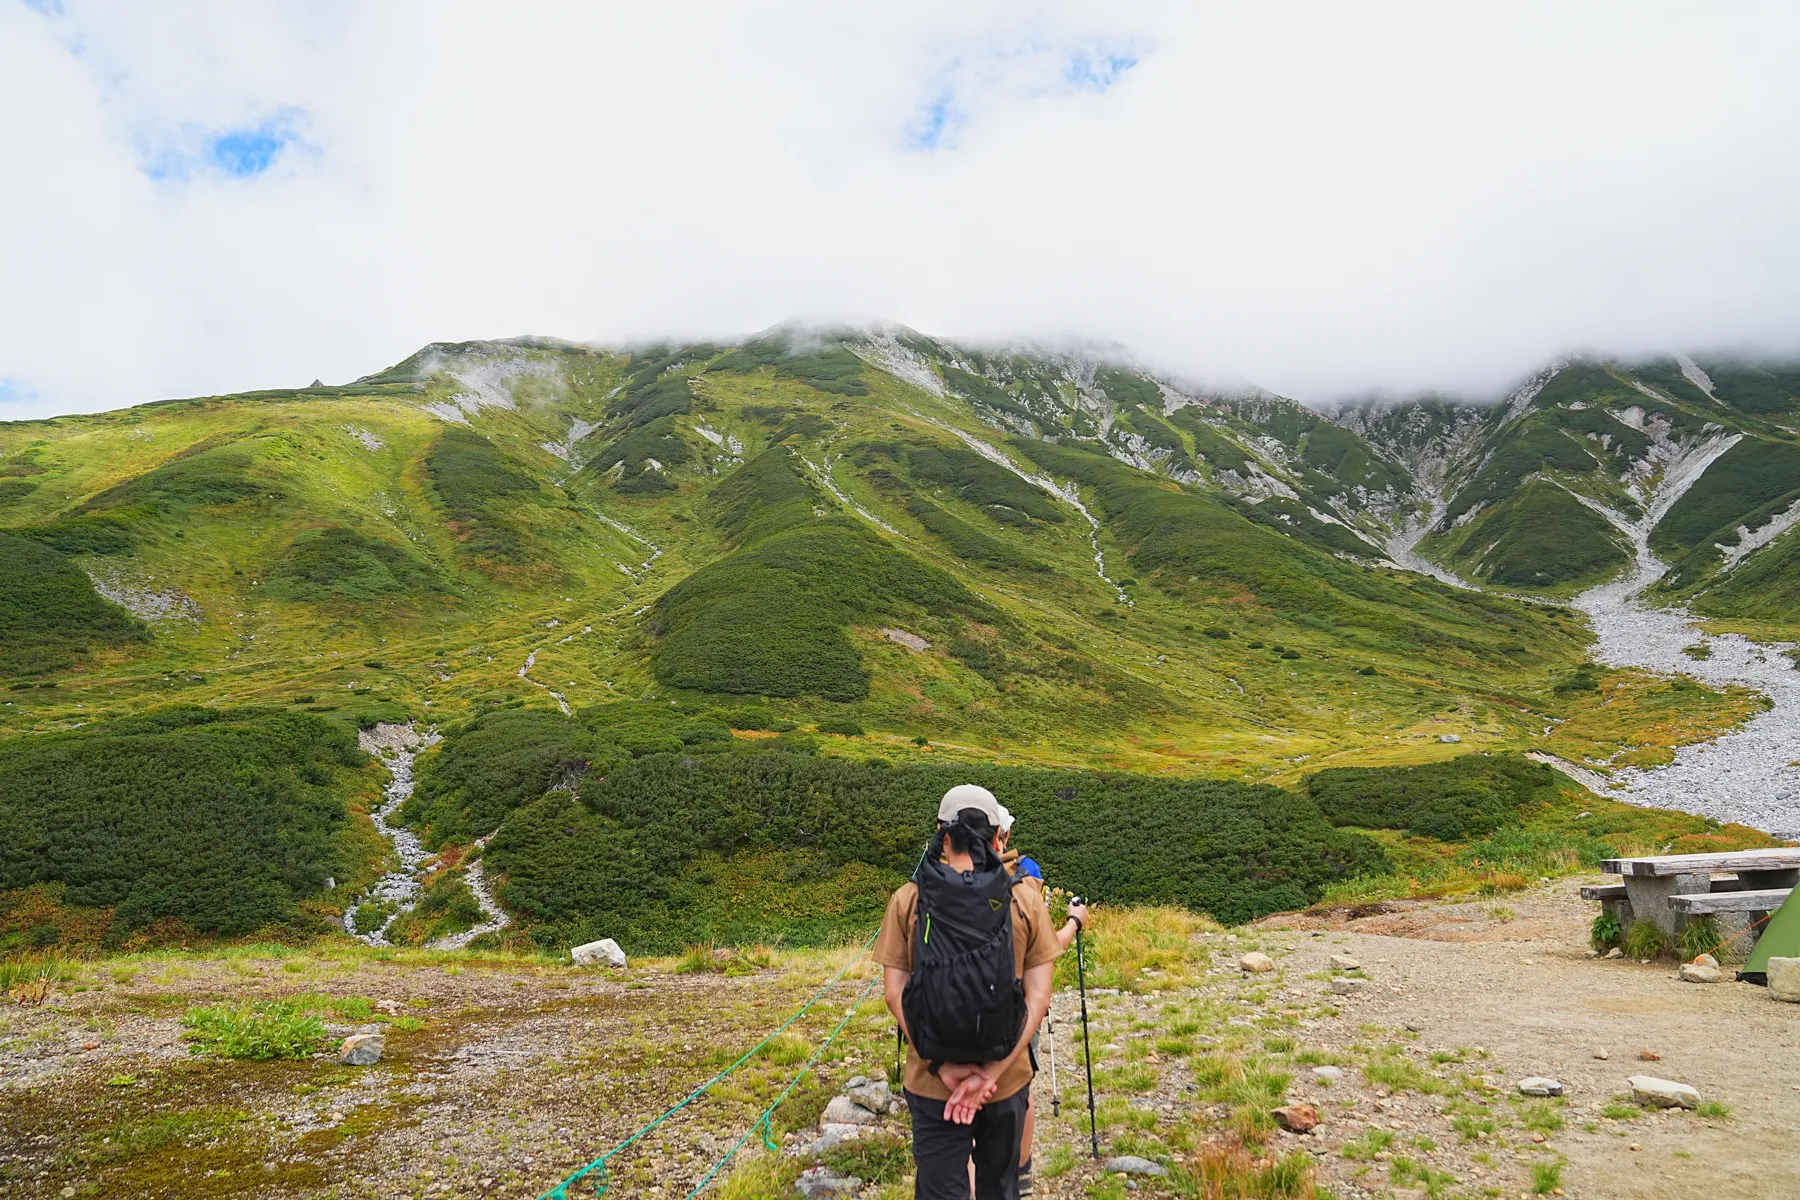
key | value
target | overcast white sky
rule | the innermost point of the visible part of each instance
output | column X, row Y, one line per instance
column 205, row 197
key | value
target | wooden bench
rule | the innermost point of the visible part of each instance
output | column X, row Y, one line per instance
column 1747, row 900
column 1653, row 884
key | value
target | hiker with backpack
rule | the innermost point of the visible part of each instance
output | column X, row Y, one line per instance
column 967, row 974
column 1027, row 872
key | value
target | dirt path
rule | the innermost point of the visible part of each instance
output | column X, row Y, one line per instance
column 1524, row 989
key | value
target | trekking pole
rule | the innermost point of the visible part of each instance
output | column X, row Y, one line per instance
column 1055, row 1099
column 1087, row 1049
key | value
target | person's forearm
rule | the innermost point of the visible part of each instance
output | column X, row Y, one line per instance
column 893, row 988
column 1065, row 937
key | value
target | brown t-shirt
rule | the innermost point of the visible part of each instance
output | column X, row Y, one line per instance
column 1034, row 944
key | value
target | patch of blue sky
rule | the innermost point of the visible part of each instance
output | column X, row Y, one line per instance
column 1097, row 70
column 935, row 124
column 967, row 83
column 241, row 153
column 50, row 8
column 12, row 391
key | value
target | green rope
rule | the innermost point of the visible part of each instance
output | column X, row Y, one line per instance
column 560, row 1191
column 768, row 1113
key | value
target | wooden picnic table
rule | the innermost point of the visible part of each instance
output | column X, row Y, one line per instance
column 1669, row 888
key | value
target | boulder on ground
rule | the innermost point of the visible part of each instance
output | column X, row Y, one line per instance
column 1539, row 1085
column 1346, row 987
column 1615, row 952
column 872, row 1094
column 1705, row 960
column 823, row 1181
column 1328, row 1074
column 1297, row 1118
column 1662, row 1093
column 1131, row 1164
column 844, row 1111
column 1695, row 973
column 1256, row 962
column 362, row 1049
column 1784, row 979
column 594, row 954
column 1345, row 962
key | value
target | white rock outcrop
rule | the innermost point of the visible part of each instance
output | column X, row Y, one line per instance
column 1662, row 1093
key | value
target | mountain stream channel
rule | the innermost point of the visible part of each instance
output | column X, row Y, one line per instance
column 397, row 746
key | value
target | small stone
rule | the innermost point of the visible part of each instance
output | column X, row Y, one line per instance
column 1297, row 1118
column 595, row 953
column 1538, row 1138
column 1601, row 1054
column 1345, row 987
column 362, row 1049
column 1694, row 973
column 1449, row 737
column 1328, row 1074
column 1345, row 962
column 823, row 1181
column 67, row 1192
column 1784, row 979
column 1255, row 963
column 1615, row 952
column 1131, row 1164
column 90, row 1045
column 844, row 1111
column 1649, row 1056
column 1662, row 1093
column 1706, row 960
column 1415, row 1027
column 1539, row 1085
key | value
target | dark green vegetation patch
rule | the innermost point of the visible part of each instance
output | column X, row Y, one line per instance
column 772, row 617
column 1762, row 390
column 477, row 482
column 1469, row 796
column 1750, row 479
column 50, row 613
column 338, row 564
column 671, row 849
column 219, row 820
column 1542, row 537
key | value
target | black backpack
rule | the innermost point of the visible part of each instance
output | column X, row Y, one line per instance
column 963, row 1003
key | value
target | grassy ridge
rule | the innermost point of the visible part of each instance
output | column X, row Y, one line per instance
column 1544, row 537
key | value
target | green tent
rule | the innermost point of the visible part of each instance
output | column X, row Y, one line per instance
column 1780, row 939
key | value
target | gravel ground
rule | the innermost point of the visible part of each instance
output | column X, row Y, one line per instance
column 1750, row 775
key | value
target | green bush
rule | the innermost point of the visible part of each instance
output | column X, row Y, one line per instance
column 1646, row 939
column 1604, row 933
column 261, row 1032
column 492, row 765
column 842, row 726
column 220, row 819
column 1699, row 936
column 1471, row 795
column 673, row 850
column 50, row 613
column 338, row 564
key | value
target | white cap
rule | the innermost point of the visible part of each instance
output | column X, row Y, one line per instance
column 1006, row 818
column 970, row 795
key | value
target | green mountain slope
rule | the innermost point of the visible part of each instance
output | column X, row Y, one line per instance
column 855, row 551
